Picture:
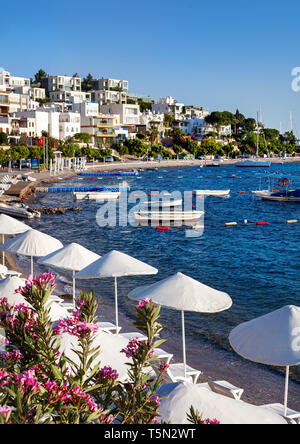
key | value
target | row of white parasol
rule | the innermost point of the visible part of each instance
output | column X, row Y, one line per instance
column 269, row 339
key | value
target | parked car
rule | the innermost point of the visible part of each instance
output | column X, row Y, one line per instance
column 109, row 159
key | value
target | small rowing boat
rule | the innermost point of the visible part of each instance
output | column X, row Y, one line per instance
column 167, row 216
column 97, row 195
column 206, row 193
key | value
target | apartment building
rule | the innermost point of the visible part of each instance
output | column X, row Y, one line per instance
column 44, row 120
column 104, row 97
column 33, row 92
column 168, row 105
column 86, row 109
column 9, row 82
column 110, row 85
column 61, row 83
column 69, row 124
column 4, row 103
column 102, row 128
column 70, row 96
column 128, row 114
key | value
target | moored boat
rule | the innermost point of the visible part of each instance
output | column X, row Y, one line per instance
column 19, row 210
column 97, row 195
column 205, row 193
column 167, row 216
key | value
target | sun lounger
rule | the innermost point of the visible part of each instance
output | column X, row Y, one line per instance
column 4, row 272
column 134, row 335
column 176, row 373
column 109, row 327
column 292, row 416
column 227, row 389
column 162, row 355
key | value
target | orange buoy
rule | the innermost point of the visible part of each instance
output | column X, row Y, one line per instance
column 242, row 192
column 262, row 223
column 162, row 228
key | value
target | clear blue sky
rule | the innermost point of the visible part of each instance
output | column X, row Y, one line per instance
column 217, row 54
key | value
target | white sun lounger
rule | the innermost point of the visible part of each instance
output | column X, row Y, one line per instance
column 134, row 335
column 108, row 327
column 292, row 416
column 227, row 389
column 176, row 373
column 4, row 273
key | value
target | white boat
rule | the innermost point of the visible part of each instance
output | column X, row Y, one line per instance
column 219, row 193
column 163, row 203
column 167, row 216
column 19, row 210
column 97, row 195
column 283, row 196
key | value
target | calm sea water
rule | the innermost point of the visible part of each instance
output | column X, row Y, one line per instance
column 257, row 265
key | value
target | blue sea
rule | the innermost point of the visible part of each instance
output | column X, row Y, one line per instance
column 258, row 266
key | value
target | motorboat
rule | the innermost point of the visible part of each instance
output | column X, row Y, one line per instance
column 19, row 210
column 279, row 196
column 206, row 193
column 176, row 216
column 163, row 203
column 97, row 195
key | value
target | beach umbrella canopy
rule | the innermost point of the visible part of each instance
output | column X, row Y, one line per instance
column 10, row 226
column 179, row 397
column 183, row 293
column 8, row 287
column 272, row 339
column 32, row 243
column 72, row 257
column 110, row 347
column 116, row 264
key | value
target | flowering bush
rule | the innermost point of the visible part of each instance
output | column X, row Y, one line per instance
column 36, row 384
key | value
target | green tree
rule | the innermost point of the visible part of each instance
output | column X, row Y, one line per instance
column 169, row 120
column 250, row 125
column 82, row 137
column 153, row 132
column 87, row 83
column 3, row 139
column 39, row 75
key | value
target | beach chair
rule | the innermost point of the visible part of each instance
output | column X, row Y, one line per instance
column 5, row 273
column 109, row 327
column 162, row 355
column 134, row 335
column 226, row 389
column 176, row 373
column 292, row 416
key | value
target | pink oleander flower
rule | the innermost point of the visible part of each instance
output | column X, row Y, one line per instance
column 27, row 381
column 3, row 341
column 4, row 378
column 107, row 373
column 209, row 421
column 74, row 327
column 156, row 399
column 163, row 367
column 142, row 304
column 11, row 357
column 133, row 348
column 5, row 411
column 45, row 280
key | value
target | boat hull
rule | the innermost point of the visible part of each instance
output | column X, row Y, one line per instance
column 167, row 217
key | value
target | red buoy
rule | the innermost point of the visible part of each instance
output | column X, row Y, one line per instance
column 262, row 223
column 162, row 228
